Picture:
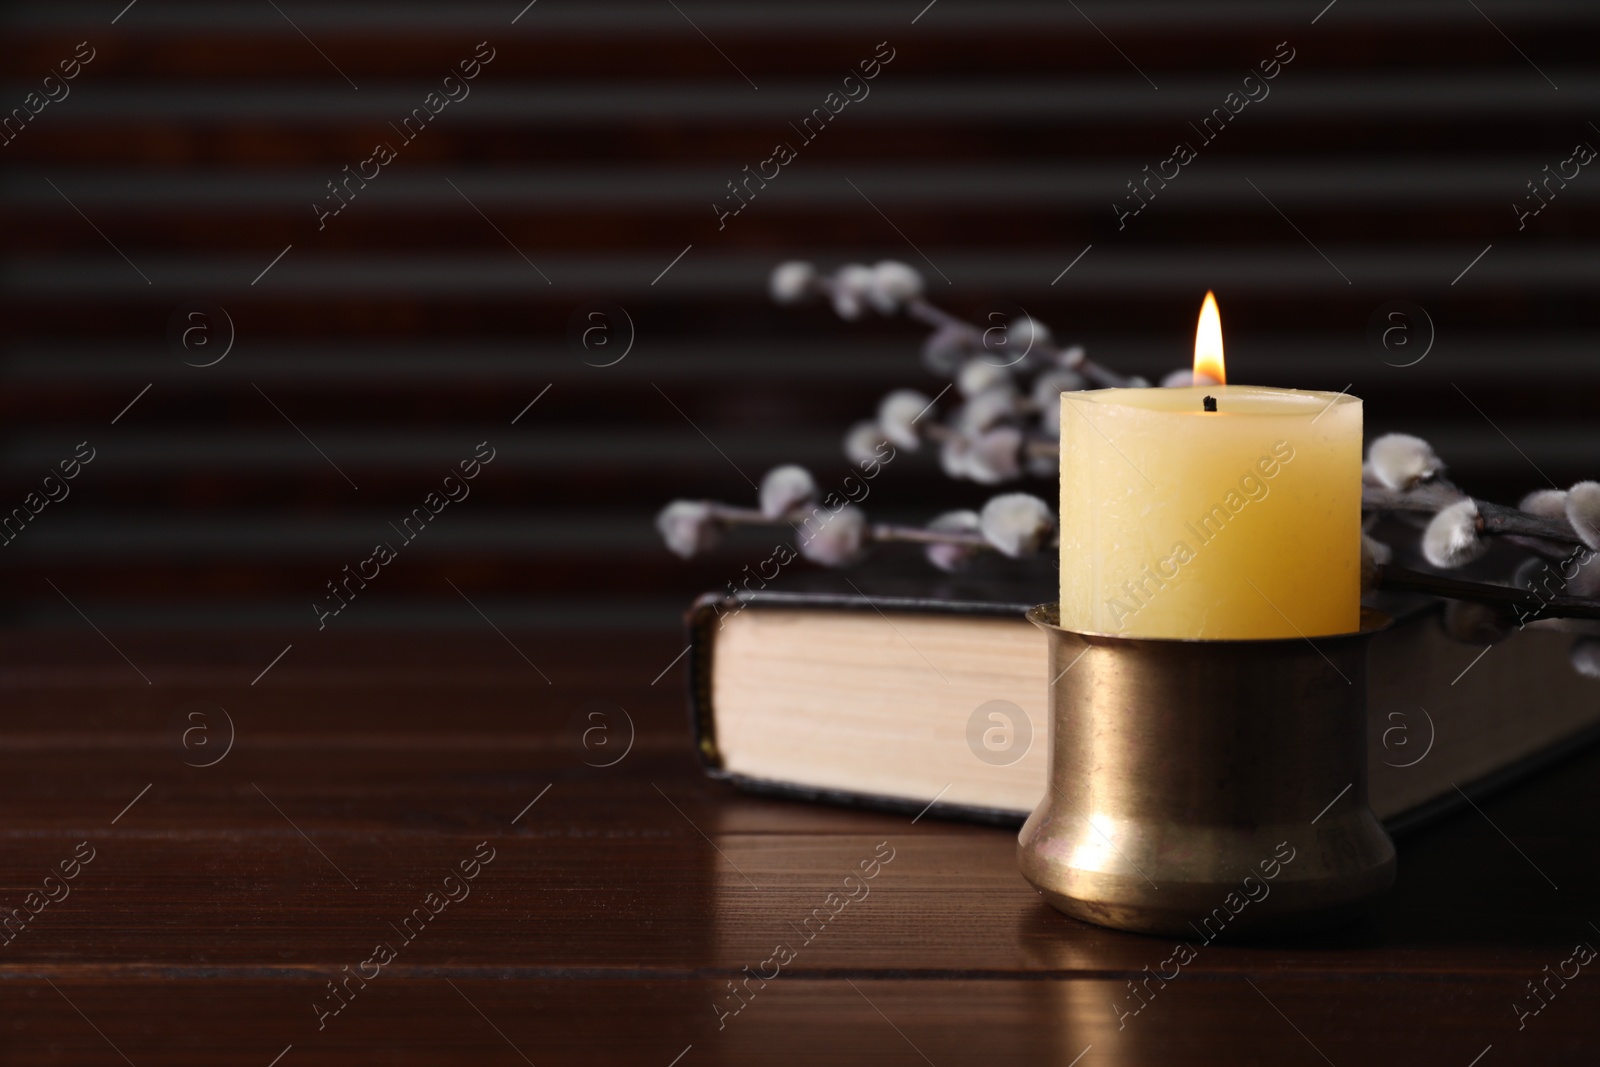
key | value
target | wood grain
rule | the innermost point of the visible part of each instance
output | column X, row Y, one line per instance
column 616, row 909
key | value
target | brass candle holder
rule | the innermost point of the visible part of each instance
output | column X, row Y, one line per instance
column 1207, row 787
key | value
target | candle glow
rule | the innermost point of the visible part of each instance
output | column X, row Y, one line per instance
column 1208, row 344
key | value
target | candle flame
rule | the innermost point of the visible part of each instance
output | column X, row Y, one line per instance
column 1208, row 345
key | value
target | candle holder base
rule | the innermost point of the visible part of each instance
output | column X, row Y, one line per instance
column 1207, row 788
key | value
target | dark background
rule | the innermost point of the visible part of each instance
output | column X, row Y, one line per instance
column 593, row 145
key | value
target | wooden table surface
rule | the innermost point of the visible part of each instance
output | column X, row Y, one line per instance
column 612, row 914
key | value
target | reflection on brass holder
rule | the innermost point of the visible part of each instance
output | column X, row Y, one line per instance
column 1178, row 768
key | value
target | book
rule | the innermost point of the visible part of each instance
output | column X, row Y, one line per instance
column 889, row 693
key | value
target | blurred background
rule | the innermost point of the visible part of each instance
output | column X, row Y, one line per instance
column 177, row 174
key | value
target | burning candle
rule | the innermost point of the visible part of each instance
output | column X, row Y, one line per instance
column 1214, row 511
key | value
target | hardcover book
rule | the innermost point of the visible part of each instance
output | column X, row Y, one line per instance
column 909, row 693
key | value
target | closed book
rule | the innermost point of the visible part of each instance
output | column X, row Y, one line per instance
column 913, row 694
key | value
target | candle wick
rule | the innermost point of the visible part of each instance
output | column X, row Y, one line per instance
column 1211, row 403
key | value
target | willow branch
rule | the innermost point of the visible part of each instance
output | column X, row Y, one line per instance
column 882, row 532
column 1494, row 520
column 1549, row 551
column 918, row 535
column 1041, row 448
column 1429, row 496
column 1516, row 602
column 918, row 308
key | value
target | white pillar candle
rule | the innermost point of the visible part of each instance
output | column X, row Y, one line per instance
column 1179, row 522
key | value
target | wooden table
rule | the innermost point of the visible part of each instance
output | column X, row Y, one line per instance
column 621, row 901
